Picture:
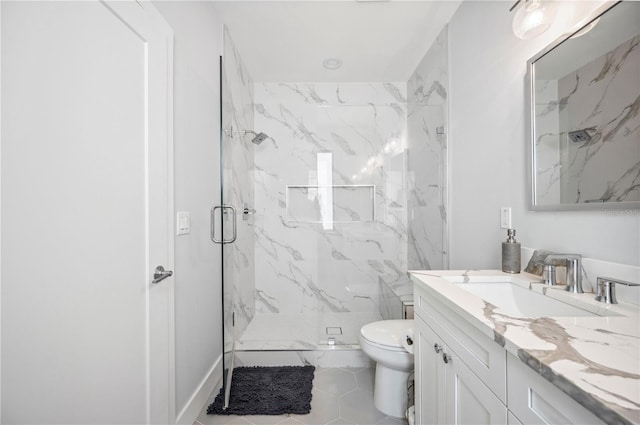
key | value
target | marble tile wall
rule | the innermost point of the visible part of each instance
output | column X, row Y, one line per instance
column 237, row 190
column 604, row 95
column 548, row 142
column 427, row 159
column 351, row 135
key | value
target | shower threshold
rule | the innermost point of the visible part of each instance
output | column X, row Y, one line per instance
column 330, row 331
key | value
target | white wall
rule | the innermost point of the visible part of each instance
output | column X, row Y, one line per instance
column 198, row 46
column 488, row 148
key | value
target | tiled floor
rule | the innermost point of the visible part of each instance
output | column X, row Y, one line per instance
column 341, row 396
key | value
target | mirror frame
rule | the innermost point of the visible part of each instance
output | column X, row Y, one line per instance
column 531, row 129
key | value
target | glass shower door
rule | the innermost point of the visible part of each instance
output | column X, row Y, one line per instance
column 234, row 216
column 224, row 232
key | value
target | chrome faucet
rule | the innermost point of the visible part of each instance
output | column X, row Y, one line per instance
column 606, row 289
column 573, row 263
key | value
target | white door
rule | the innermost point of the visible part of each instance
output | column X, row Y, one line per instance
column 86, row 202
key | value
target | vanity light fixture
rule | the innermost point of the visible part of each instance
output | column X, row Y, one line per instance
column 533, row 18
column 332, row 63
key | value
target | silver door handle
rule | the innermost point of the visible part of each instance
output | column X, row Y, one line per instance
column 213, row 224
column 159, row 274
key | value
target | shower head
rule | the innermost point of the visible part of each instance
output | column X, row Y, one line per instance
column 258, row 137
column 582, row 135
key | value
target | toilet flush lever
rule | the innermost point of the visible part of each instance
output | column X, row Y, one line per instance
column 159, row 274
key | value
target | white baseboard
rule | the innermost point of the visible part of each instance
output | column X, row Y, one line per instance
column 211, row 382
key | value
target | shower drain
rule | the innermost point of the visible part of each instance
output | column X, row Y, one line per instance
column 334, row 330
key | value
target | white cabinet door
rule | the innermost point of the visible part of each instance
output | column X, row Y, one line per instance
column 86, row 213
column 430, row 376
column 447, row 391
column 469, row 401
column 512, row 420
column 486, row 358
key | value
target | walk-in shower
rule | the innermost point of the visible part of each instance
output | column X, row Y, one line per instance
column 330, row 207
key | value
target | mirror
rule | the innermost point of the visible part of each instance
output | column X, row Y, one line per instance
column 585, row 115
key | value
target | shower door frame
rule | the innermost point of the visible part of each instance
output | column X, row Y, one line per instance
column 228, row 337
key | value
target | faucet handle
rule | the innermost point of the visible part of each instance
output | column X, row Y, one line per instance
column 549, row 274
column 606, row 289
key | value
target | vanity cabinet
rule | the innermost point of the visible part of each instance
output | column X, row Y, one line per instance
column 447, row 391
column 462, row 376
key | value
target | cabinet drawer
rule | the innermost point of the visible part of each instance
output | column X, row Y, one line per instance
column 481, row 354
column 534, row 400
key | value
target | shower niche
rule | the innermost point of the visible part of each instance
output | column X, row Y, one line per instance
column 330, row 204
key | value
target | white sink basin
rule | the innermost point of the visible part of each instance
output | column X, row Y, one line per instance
column 513, row 296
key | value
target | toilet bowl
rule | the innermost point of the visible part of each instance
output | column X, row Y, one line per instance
column 382, row 342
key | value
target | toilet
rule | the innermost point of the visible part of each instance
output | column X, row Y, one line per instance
column 382, row 342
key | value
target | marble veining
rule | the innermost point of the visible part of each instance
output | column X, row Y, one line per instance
column 396, row 293
column 595, row 360
column 602, row 97
column 427, row 158
column 329, row 196
column 237, row 190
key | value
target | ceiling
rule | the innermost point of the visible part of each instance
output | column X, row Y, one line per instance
column 376, row 40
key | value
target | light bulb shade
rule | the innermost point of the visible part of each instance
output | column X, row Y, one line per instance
column 533, row 18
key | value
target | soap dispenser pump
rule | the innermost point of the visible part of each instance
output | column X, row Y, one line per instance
column 511, row 253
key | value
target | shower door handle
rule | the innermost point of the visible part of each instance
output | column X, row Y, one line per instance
column 234, row 234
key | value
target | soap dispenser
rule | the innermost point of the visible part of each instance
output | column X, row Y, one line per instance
column 511, row 253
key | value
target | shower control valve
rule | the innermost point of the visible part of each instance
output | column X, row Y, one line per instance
column 246, row 212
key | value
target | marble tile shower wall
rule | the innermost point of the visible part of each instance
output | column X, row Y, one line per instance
column 330, row 195
column 238, row 190
column 603, row 96
column 427, row 159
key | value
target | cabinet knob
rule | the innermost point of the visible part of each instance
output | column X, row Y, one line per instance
column 437, row 347
column 446, row 358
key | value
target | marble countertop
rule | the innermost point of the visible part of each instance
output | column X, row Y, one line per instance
column 593, row 359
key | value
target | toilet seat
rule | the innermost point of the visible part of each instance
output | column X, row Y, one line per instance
column 387, row 334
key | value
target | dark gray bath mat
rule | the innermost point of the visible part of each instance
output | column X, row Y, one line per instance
column 267, row 391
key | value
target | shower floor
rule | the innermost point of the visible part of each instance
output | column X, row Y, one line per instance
column 304, row 332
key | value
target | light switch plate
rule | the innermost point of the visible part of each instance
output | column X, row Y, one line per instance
column 505, row 218
column 183, row 223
